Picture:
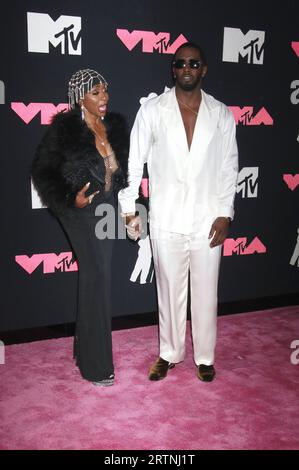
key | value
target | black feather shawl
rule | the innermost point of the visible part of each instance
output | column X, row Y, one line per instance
column 67, row 159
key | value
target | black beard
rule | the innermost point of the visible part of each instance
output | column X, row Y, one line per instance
column 188, row 86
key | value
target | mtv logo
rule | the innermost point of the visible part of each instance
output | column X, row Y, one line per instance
column 151, row 95
column 2, row 92
column 240, row 246
column 143, row 268
column 146, row 98
column 295, row 47
column 28, row 112
column 249, row 45
column 150, row 41
column 51, row 262
column 144, row 187
column 36, row 203
column 292, row 181
column 64, row 32
column 294, row 261
column 247, row 182
column 246, row 117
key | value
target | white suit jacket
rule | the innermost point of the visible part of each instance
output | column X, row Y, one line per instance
column 188, row 189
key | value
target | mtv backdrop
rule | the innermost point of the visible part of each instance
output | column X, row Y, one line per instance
column 253, row 58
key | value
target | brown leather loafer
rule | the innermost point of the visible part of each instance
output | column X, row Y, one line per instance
column 159, row 369
column 206, row 373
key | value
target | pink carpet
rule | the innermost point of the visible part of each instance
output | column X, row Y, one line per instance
column 252, row 404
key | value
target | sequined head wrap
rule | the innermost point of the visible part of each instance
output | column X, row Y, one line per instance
column 82, row 82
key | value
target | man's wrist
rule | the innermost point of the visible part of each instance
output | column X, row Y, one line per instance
column 128, row 217
column 126, row 214
column 225, row 217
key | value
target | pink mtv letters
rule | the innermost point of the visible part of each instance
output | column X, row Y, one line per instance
column 51, row 262
column 144, row 187
column 245, row 116
column 295, row 47
column 240, row 246
column 150, row 40
column 47, row 110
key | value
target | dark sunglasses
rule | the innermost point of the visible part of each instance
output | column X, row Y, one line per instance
column 181, row 63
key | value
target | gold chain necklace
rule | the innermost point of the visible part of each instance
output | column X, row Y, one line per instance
column 186, row 106
column 102, row 141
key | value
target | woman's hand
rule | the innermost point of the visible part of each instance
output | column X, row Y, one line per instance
column 82, row 200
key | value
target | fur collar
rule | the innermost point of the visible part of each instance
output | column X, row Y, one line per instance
column 67, row 157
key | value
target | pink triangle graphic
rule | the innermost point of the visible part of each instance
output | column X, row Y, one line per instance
column 295, row 47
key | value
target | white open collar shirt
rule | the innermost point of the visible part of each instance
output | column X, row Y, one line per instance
column 188, row 189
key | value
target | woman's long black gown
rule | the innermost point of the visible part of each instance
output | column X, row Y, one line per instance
column 92, row 342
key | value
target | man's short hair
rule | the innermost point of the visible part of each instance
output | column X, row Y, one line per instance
column 192, row 45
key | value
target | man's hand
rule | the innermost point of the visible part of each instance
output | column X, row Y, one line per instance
column 219, row 231
column 82, row 200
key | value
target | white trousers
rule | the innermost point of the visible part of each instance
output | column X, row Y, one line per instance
column 174, row 256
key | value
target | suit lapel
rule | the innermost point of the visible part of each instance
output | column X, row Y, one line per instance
column 205, row 126
column 173, row 122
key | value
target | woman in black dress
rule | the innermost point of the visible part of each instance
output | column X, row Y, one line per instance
column 80, row 163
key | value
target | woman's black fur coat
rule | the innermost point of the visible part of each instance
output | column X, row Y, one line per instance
column 67, row 159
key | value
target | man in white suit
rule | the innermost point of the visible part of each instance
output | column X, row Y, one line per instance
column 187, row 138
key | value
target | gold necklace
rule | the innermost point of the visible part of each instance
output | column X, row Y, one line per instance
column 186, row 106
column 102, row 141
